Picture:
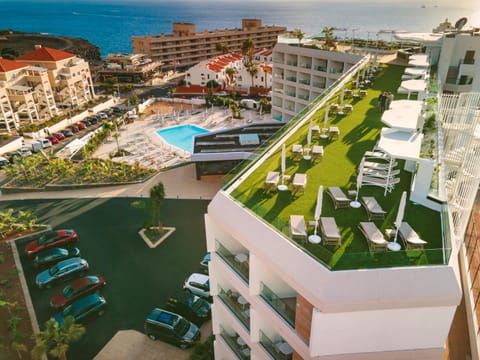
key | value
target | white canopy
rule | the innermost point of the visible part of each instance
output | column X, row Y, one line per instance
column 407, row 104
column 419, row 37
column 402, row 118
column 412, row 86
column 419, row 61
column 415, row 71
column 400, row 144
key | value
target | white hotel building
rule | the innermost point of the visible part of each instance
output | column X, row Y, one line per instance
column 273, row 299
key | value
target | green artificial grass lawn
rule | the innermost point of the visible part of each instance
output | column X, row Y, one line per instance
column 359, row 131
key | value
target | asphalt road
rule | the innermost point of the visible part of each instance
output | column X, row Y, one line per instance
column 138, row 278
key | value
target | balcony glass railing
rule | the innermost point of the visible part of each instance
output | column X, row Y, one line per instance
column 292, row 63
column 279, row 350
column 304, row 81
column 237, row 304
column 285, row 307
column 291, row 78
column 321, row 68
column 238, row 262
column 236, row 344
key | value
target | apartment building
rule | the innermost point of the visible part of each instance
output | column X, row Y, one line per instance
column 187, row 47
column 38, row 84
column 301, row 74
column 240, row 80
column 131, row 68
column 276, row 296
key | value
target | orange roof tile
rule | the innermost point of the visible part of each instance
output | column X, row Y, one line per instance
column 46, row 54
column 9, row 65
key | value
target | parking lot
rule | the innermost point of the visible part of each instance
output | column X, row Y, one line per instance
column 138, row 278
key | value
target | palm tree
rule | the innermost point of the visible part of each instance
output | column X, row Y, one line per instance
column 230, row 72
column 157, row 194
column 55, row 340
column 329, row 38
column 252, row 69
column 248, row 46
column 171, row 93
column 299, row 34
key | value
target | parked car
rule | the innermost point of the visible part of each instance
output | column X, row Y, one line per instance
column 4, row 162
column 77, row 289
column 82, row 308
column 59, row 136
column 53, row 255
column 189, row 306
column 53, row 140
column 86, row 122
column 102, row 115
column 74, row 129
column 198, row 284
column 204, row 262
column 172, row 328
column 66, row 132
column 62, row 271
column 52, row 238
column 81, row 125
column 93, row 119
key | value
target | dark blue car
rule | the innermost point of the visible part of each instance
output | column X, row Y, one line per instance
column 51, row 256
column 63, row 270
column 82, row 308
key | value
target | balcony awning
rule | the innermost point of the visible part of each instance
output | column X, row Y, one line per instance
column 415, row 71
column 400, row 144
column 412, row 86
column 406, row 104
column 20, row 88
column 419, row 62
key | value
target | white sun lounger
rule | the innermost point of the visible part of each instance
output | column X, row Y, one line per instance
column 340, row 200
column 298, row 228
column 330, row 232
column 374, row 210
column 376, row 240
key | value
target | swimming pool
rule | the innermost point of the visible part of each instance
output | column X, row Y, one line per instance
column 181, row 136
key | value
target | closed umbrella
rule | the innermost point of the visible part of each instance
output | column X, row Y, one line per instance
column 342, row 95
column 315, row 239
column 394, row 246
column 309, row 141
column 282, row 186
column 325, row 120
column 356, row 204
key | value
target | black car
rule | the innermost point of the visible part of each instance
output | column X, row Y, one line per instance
column 74, row 128
column 93, row 119
column 87, row 122
column 66, row 132
column 190, row 306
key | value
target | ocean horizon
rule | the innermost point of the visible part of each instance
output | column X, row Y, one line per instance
column 110, row 24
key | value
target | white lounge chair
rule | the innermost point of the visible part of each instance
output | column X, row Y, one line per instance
column 375, row 239
column 298, row 228
column 373, row 208
column 330, row 232
column 410, row 237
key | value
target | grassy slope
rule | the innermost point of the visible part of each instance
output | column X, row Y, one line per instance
column 359, row 132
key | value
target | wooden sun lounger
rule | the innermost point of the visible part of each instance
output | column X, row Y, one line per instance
column 375, row 239
column 330, row 232
column 340, row 200
column 410, row 237
column 374, row 210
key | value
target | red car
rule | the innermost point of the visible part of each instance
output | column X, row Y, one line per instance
column 59, row 136
column 81, row 125
column 53, row 140
column 77, row 289
column 52, row 238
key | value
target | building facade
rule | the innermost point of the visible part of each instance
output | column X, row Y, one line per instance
column 130, row 68
column 186, row 47
column 301, row 74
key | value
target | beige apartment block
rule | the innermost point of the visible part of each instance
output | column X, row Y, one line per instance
column 186, row 47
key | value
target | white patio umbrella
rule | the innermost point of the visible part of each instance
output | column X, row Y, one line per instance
column 394, row 246
column 325, row 120
column 315, row 239
column 309, row 141
column 356, row 204
column 358, row 78
column 342, row 95
column 282, row 186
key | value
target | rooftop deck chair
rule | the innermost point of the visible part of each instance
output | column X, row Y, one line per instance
column 330, row 232
column 298, row 229
column 410, row 237
column 373, row 208
column 340, row 200
column 375, row 239
column 387, row 183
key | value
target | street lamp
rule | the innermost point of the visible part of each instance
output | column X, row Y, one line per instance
column 353, row 38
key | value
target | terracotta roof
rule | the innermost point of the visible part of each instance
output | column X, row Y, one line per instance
column 46, row 54
column 9, row 65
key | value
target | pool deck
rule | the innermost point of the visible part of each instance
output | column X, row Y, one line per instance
column 150, row 150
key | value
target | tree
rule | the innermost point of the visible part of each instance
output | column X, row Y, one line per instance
column 252, row 69
column 299, row 34
column 171, row 93
column 329, row 38
column 55, row 340
column 157, row 194
column 230, row 72
column 248, row 46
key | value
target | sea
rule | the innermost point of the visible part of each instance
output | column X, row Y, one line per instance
column 110, row 24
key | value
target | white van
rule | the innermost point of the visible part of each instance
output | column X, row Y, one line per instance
column 45, row 143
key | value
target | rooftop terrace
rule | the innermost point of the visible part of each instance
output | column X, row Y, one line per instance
column 359, row 132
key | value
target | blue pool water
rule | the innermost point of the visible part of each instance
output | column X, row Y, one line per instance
column 181, row 136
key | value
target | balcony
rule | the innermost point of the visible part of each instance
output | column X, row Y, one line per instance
column 236, row 344
column 279, row 350
column 285, row 306
column 304, row 81
column 237, row 305
column 291, row 78
column 238, row 262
